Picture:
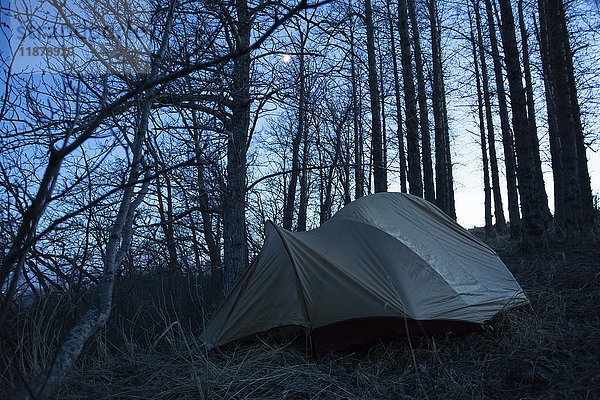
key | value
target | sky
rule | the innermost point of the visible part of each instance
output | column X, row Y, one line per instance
column 467, row 169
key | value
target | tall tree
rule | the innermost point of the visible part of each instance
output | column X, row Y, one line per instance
column 428, row 185
column 551, row 112
column 290, row 200
column 527, row 70
column 210, row 231
column 491, row 137
column 587, row 199
column 486, row 174
column 443, row 162
column 574, row 212
column 359, row 179
column 379, row 169
column 165, row 205
column 304, row 179
column 400, row 131
column 382, row 91
column 534, row 201
column 412, row 131
column 507, row 137
column 234, row 203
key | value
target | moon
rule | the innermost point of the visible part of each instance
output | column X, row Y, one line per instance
column 286, row 58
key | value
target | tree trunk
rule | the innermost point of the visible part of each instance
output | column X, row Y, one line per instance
column 527, row 71
column 587, row 198
column 491, row 137
column 359, row 180
column 507, row 138
column 383, row 120
column 195, row 244
column 530, row 101
column 345, row 172
column 288, row 212
column 302, row 212
column 379, row 170
column 400, row 133
column 211, row 239
column 211, row 236
column 443, row 163
column 449, row 174
column 415, row 182
column 325, row 183
column 165, row 204
column 166, row 215
column 534, row 202
column 557, row 168
column 14, row 260
column 486, row 175
column 428, row 184
column 234, row 204
column 575, row 212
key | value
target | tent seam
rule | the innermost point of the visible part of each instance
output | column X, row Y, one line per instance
column 302, row 294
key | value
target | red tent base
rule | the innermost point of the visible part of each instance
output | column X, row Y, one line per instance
column 352, row 333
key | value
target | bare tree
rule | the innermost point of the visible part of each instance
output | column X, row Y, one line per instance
column 288, row 211
column 399, row 130
column 443, row 162
column 379, row 169
column 428, row 185
column 118, row 245
column 573, row 204
column 491, row 138
column 534, row 201
column 415, row 181
column 507, row 136
column 359, row 181
column 235, row 254
column 482, row 134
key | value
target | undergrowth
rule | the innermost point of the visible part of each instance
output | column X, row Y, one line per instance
column 150, row 348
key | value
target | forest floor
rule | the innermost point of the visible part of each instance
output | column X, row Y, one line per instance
column 549, row 350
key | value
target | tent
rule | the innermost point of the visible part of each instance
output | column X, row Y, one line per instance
column 385, row 264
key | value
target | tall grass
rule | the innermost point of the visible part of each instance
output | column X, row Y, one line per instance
column 150, row 348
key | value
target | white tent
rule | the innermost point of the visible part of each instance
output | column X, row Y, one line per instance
column 388, row 263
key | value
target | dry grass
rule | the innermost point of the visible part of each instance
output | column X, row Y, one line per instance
column 548, row 350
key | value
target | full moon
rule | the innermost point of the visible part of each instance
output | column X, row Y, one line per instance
column 287, row 58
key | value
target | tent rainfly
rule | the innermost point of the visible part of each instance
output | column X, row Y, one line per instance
column 386, row 264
